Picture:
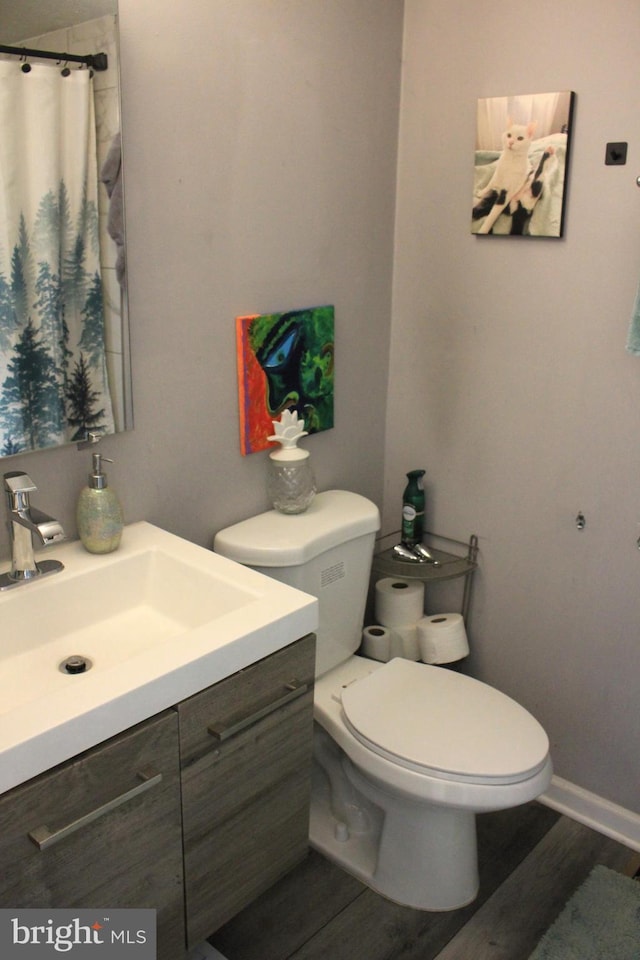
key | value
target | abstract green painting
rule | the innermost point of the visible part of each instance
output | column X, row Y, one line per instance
column 285, row 362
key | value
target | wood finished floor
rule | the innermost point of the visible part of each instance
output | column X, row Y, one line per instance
column 531, row 861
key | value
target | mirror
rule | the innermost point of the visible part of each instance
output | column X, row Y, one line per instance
column 87, row 367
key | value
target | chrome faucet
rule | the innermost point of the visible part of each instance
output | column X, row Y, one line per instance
column 24, row 521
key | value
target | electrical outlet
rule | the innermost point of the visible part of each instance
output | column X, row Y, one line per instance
column 616, row 154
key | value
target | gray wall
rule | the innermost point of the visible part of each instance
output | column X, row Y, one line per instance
column 260, row 145
column 260, row 140
column 509, row 379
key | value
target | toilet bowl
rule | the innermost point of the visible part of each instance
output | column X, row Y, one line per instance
column 405, row 753
column 418, row 750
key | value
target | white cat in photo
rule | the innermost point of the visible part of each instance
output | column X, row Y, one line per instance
column 509, row 177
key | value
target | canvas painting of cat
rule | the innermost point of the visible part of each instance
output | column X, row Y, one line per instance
column 521, row 162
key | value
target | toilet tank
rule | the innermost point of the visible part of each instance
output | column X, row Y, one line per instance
column 326, row 552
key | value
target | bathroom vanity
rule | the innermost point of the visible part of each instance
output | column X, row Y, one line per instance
column 193, row 812
column 155, row 734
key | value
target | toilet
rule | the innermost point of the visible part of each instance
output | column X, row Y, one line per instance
column 405, row 753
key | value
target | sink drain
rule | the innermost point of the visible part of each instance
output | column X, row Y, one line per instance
column 75, row 664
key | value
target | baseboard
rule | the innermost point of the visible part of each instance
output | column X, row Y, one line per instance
column 608, row 818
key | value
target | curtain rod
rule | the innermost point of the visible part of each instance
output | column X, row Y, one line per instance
column 99, row 61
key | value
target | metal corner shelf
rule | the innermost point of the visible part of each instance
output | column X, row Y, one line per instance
column 449, row 566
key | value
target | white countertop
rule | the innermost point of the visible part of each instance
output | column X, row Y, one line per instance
column 47, row 716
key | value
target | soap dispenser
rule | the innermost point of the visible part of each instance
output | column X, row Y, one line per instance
column 291, row 485
column 99, row 514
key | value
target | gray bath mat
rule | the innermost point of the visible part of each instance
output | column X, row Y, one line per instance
column 601, row 921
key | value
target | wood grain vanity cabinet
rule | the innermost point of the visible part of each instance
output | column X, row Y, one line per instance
column 193, row 812
column 245, row 753
column 102, row 830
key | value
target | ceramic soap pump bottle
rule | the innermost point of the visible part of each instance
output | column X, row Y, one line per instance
column 99, row 514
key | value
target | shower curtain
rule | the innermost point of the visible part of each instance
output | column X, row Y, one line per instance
column 53, row 379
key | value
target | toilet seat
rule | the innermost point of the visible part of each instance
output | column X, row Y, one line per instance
column 444, row 724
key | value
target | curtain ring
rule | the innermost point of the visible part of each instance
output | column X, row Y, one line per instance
column 26, row 67
column 65, row 70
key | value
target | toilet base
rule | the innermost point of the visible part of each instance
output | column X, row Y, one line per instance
column 416, row 854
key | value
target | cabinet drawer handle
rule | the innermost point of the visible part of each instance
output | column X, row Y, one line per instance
column 44, row 837
column 294, row 690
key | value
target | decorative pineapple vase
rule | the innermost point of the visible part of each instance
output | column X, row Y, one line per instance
column 291, row 485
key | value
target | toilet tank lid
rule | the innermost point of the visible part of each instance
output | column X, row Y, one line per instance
column 275, row 539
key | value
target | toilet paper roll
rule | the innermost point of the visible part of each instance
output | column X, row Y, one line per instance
column 408, row 636
column 381, row 643
column 442, row 638
column 399, row 602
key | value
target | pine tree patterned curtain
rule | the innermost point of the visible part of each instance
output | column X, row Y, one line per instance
column 53, row 379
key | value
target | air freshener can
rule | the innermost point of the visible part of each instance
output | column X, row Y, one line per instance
column 413, row 509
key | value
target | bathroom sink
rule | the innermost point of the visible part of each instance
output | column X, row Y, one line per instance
column 152, row 623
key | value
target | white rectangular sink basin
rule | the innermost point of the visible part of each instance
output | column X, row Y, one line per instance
column 156, row 621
